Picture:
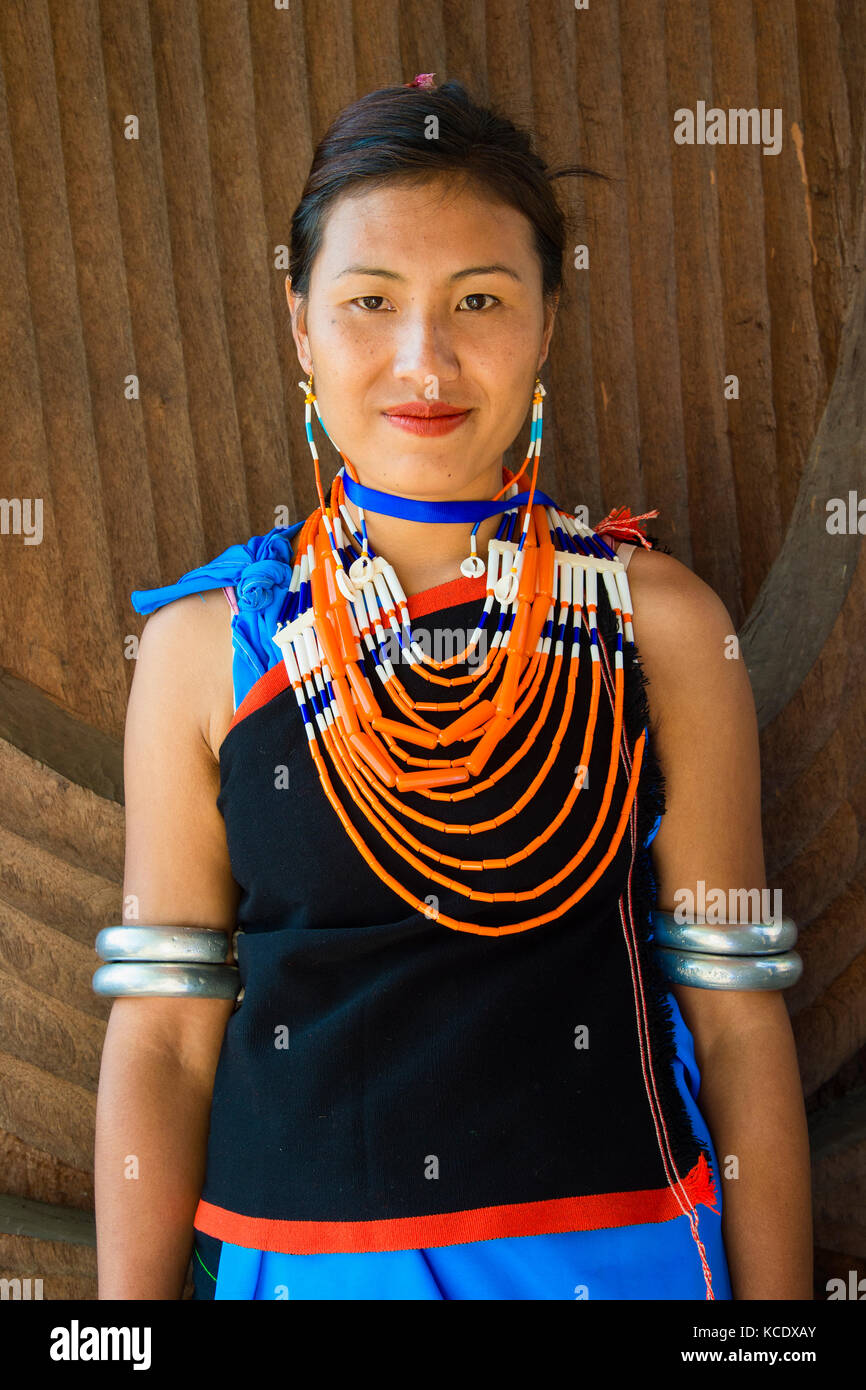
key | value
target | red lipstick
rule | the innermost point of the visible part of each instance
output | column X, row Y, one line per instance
column 426, row 417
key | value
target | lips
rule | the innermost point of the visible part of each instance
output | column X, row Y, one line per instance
column 425, row 410
column 426, row 418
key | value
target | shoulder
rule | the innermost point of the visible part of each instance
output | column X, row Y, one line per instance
column 182, row 624
column 686, row 641
column 183, row 668
column 661, row 585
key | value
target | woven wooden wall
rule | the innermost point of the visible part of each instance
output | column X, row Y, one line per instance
column 151, row 155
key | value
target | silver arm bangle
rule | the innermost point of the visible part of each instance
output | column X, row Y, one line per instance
column 724, row 938
column 192, row 945
column 141, row 979
column 707, row 971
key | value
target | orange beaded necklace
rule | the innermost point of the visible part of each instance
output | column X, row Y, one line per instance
column 347, row 606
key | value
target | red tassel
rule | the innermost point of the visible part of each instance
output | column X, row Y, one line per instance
column 623, row 526
column 700, row 1186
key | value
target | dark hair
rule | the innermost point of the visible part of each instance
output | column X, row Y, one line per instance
column 381, row 138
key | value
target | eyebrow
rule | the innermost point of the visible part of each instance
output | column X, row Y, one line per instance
column 458, row 274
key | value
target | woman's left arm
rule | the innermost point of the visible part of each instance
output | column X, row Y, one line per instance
column 705, row 730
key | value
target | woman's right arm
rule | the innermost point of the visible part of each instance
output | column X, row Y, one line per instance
column 160, row 1054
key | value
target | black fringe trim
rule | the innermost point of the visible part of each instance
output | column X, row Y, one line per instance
column 651, row 801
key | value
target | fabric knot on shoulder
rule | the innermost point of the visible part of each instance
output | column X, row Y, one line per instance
column 255, row 585
column 267, row 565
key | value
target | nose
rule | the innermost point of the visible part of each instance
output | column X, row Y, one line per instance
column 425, row 349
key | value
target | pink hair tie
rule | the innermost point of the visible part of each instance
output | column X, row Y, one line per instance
column 424, row 79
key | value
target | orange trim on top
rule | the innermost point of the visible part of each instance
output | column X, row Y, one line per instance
column 607, row 1209
column 447, row 595
column 275, row 679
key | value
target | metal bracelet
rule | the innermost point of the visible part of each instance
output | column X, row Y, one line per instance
column 705, row 971
column 724, row 938
column 141, row 979
column 192, row 945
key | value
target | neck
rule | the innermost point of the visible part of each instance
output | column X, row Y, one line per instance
column 426, row 554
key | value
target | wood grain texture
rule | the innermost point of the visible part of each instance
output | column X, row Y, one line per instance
column 68, row 1272
column 148, row 396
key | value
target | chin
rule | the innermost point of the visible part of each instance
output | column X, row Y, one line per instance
column 432, row 480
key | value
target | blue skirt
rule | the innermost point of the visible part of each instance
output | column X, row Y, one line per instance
column 657, row 1260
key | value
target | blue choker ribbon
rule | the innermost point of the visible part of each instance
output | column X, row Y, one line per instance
column 410, row 509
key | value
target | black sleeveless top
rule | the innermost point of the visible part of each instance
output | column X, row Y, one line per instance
column 387, row 1082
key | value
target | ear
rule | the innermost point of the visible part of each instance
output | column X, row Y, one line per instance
column 550, row 309
column 298, row 311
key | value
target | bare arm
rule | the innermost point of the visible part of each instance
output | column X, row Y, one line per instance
column 706, row 736
column 160, row 1054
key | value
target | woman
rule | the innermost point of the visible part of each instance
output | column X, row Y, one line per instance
column 455, row 1069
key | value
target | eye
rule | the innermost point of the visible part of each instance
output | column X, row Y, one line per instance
column 365, row 301
column 361, row 299
column 479, row 295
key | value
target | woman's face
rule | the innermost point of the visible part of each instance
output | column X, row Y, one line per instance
column 407, row 304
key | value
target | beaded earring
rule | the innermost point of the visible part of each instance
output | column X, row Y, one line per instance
column 473, row 566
